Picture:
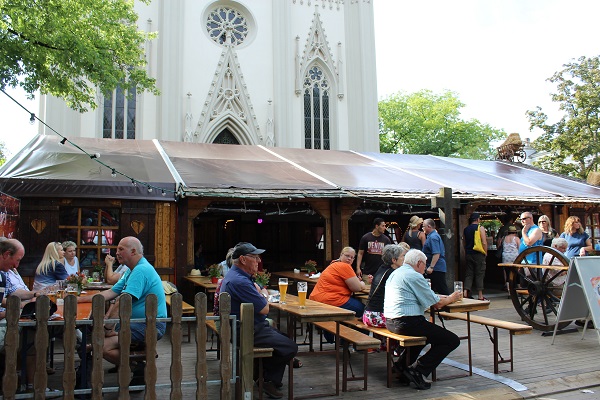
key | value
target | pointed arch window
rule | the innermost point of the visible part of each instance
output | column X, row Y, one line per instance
column 226, row 137
column 119, row 115
column 316, row 110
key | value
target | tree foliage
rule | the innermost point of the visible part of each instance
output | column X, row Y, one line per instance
column 572, row 144
column 429, row 123
column 67, row 48
column 2, row 153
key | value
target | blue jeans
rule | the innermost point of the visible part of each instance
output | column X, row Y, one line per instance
column 353, row 304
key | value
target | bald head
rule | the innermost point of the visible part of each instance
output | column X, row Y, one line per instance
column 11, row 253
column 130, row 251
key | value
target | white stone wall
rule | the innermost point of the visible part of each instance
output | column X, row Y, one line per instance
column 269, row 65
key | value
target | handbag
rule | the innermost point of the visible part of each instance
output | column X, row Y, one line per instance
column 478, row 246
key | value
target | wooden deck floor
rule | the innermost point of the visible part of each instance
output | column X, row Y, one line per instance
column 559, row 371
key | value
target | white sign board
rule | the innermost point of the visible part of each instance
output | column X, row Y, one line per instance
column 581, row 294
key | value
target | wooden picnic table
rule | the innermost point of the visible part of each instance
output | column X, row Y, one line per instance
column 467, row 306
column 313, row 312
column 203, row 282
column 301, row 276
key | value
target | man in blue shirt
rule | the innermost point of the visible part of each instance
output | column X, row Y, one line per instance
column 139, row 282
column 242, row 289
column 436, row 261
column 407, row 296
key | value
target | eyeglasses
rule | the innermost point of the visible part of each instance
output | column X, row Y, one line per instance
column 257, row 258
column 543, row 222
column 524, row 218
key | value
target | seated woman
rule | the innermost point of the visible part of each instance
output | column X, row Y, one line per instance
column 50, row 269
column 392, row 257
column 560, row 277
column 578, row 240
column 407, row 296
column 70, row 260
column 337, row 283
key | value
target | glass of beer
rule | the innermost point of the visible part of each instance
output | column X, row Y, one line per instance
column 283, row 286
column 458, row 287
column 302, row 289
column 52, row 293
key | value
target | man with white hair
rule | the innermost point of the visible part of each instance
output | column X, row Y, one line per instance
column 407, row 296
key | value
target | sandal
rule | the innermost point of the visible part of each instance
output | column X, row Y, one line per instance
column 297, row 363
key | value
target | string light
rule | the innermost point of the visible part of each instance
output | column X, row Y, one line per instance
column 63, row 141
column 149, row 189
column 113, row 173
column 163, row 192
column 133, row 182
column 32, row 119
column 94, row 156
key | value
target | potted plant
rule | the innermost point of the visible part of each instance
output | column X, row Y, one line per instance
column 311, row 267
column 262, row 278
column 214, row 271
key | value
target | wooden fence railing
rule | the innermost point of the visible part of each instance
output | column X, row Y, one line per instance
column 227, row 371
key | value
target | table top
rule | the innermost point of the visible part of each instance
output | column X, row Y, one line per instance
column 98, row 286
column 301, row 276
column 203, row 281
column 468, row 305
column 314, row 311
column 552, row 267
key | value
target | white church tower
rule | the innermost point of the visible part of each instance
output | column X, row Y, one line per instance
column 285, row 73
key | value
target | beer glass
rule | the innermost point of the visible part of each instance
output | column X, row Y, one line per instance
column 302, row 289
column 283, row 286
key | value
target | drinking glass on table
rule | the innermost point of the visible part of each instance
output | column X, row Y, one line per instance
column 283, row 286
column 302, row 289
column 458, row 287
column 52, row 292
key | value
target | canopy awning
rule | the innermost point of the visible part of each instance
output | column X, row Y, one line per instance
column 46, row 168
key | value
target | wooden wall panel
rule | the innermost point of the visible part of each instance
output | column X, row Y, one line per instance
column 164, row 236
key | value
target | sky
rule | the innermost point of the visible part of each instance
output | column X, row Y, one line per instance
column 496, row 55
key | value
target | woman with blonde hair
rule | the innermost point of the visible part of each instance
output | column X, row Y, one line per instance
column 50, row 269
column 414, row 236
column 578, row 240
column 548, row 233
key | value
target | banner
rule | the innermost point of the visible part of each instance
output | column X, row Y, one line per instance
column 9, row 215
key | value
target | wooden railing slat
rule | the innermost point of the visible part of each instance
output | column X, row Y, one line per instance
column 200, row 303
column 176, row 364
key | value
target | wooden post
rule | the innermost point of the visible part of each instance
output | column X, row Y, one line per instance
column 11, row 347
column 246, row 349
column 226, row 365
column 40, row 379
column 446, row 206
column 150, row 372
column 98, row 332
column 124, row 345
column 176, row 364
column 201, row 367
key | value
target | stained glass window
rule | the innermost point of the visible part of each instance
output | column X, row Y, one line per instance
column 316, row 110
column 227, row 26
column 119, row 115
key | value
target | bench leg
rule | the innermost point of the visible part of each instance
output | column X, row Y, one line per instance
column 346, row 352
column 261, row 379
column 496, row 368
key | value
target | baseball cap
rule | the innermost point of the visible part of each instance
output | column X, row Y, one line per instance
column 474, row 217
column 243, row 248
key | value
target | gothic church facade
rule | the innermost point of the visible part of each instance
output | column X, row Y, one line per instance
column 285, row 73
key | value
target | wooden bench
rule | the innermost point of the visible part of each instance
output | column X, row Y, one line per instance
column 512, row 327
column 359, row 340
column 186, row 309
column 258, row 353
column 391, row 338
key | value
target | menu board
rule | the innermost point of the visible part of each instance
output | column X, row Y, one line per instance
column 9, row 215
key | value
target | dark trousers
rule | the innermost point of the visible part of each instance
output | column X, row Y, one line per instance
column 438, row 282
column 284, row 349
column 442, row 341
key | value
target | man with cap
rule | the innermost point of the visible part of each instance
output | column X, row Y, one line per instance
column 242, row 289
column 475, row 259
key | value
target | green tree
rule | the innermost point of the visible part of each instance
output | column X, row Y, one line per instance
column 571, row 145
column 2, row 153
column 429, row 123
column 67, row 48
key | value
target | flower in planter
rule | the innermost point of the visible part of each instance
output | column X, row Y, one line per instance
column 262, row 278
column 215, row 270
column 311, row 266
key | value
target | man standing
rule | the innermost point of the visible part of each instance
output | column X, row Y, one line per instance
column 531, row 235
column 373, row 242
column 436, row 261
column 139, row 282
column 238, row 283
column 475, row 259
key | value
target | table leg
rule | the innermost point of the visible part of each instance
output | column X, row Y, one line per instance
column 291, row 323
column 469, row 343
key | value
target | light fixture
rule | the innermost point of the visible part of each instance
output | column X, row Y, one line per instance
column 95, row 155
column 113, row 173
column 163, row 193
column 149, row 189
column 63, row 141
column 133, row 182
column 32, row 119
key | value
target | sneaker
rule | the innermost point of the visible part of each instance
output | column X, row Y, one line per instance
column 271, row 390
column 417, row 378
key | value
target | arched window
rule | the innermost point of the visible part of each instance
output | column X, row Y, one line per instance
column 226, row 137
column 316, row 110
column 119, row 115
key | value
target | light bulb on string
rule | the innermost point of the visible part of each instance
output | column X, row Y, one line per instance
column 133, row 182
column 163, row 193
column 63, row 141
column 113, row 173
column 149, row 189
column 32, row 119
column 95, row 155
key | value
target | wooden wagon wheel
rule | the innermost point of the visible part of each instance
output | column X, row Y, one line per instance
column 521, row 155
column 531, row 289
